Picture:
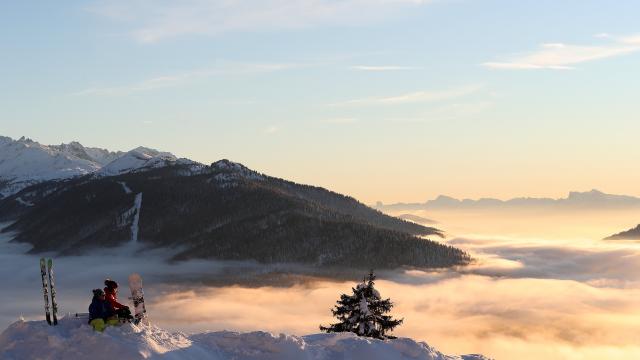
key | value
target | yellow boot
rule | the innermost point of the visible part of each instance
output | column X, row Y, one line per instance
column 98, row 324
column 113, row 321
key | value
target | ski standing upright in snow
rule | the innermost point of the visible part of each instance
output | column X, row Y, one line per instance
column 137, row 295
column 54, row 304
column 45, row 289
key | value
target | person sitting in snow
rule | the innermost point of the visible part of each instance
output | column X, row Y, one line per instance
column 101, row 314
column 111, row 292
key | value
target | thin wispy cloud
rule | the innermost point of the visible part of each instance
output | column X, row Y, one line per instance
column 383, row 68
column 415, row 97
column 560, row 56
column 164, row 19
column 168, row 81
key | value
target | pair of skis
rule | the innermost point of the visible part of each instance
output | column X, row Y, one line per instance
column 48, row 287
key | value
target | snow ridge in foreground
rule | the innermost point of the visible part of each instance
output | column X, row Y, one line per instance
column 74, row 339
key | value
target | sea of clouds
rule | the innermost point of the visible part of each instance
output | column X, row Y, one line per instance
column 525, row 297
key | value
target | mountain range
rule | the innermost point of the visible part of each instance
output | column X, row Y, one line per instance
column 79, row 201
column 589, row 200
column 24, row 162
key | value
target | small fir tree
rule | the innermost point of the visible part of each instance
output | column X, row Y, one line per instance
column 364, row 312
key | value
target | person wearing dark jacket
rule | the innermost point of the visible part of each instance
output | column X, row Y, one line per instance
column 101, row 312
column 111, row 293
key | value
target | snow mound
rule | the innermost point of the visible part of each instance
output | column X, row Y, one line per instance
column 74, row 339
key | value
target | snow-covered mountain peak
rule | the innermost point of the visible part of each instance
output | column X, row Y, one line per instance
column 24, row 162
column 140, row 158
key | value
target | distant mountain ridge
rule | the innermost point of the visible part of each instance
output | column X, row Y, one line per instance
column 593, row 199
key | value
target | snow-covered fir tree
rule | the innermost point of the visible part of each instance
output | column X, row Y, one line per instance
column 364, row 312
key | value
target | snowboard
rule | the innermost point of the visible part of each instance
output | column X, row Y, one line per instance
column 137, row 296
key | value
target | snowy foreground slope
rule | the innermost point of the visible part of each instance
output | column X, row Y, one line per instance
column 74, row 339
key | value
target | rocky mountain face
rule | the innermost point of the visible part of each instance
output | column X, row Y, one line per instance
column 221, row 211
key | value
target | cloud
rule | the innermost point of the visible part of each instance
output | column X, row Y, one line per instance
column 415, row 97
column 383, row 68
column 594, row 263
column 559, row 56
column 153, row 21
column 168, row 81
column 500, row 317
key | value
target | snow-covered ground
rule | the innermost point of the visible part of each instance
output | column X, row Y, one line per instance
column 74, row 339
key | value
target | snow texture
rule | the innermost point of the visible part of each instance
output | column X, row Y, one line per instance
column 137, row 204
column 365, row 317
column 24, row 162
column 137, row 159
column 131, row 217
column 23, row 202
column 230, row 173
column 127, row 190
column 74, row 339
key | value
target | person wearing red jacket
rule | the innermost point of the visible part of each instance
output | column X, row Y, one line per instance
column 111, row 295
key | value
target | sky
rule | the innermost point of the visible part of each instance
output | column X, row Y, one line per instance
column 391, row 100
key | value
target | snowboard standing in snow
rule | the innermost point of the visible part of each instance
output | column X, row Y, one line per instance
column 54, row 304
column 137, row 295
column 45, row 289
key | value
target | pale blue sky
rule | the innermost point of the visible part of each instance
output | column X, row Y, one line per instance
column 396, row 100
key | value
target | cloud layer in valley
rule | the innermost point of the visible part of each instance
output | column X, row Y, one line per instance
column 525, row 297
